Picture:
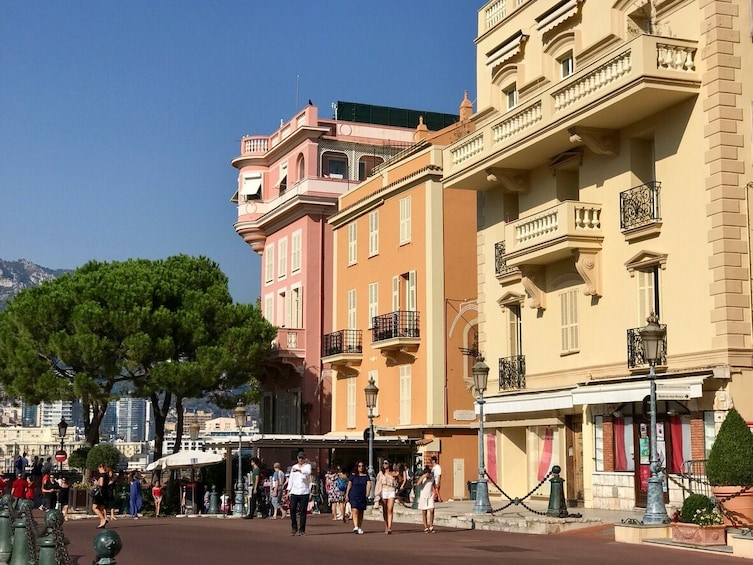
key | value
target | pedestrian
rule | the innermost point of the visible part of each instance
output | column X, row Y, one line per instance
column 99, row 499
column 436, row 472
column 357, row 493
column 29, row 492
column 426, row 499
column 404, row 486
column 112, row 478
column 18, row 488
column 135, row 495
column 253, row 488
column 335, row 483
column 21, row 463
column 47, row 466
column 64, row 497
column 49, row 492
column 300, row 490
column 157, row 496
column 224, row 503
column 385, row 492
column 275, row 490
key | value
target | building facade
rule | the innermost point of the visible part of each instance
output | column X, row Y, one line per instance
column 612, row 160
column 288, row 186
column 405, row 308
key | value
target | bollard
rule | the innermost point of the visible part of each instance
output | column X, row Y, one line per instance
column 214, row 501
column 6, row 536
column 47, row 550
column 107, row 544
column 20, row 546
column 557, row 502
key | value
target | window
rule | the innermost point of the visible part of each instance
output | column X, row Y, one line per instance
column 283, row 184
column 404, row 285
column 599, row 442
column 569, row 321
column 648, row 293
column 624, row 453
column 405, row 220
column 410, row 291
column 301, row 167
column 269, row 308
column 334, row 165
column 514, row 330
column 352, row 244
column 373, row 233
column 296, row 307
column 269, row 264
column 251, row 186
column 351, row 402
column 352, row 322
column 295, row 252
column 405, row 394
column 373, row 302
column 282, row 258
column 366, row 165
column 566, row 64
column 282, row 304
column 511, row 96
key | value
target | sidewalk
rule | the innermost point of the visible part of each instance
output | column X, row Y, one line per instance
column 459, row 514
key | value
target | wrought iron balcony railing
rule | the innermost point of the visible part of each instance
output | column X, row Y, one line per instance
column 640, row 205
column 635, row 348
column 342, row 341
column 512, row 372
column 399, row 324
column 500, row 264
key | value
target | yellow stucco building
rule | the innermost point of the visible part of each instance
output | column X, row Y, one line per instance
column 611, row 157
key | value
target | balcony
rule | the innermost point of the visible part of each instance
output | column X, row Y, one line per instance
column 501, row 268
column 343, row 349
column 396, row 333
column 553, row 234
column 635, row 349
column 512, row 372
column 639, row 78
column 290, row 348
column 639, row 211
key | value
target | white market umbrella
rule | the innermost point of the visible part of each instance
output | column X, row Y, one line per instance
column 185, row 459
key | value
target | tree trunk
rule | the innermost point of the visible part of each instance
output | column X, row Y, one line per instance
column 179, row 423
column 94, row 413
column 160, row 415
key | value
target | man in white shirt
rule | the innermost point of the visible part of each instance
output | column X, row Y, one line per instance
column 436, row 471
column 300, row 487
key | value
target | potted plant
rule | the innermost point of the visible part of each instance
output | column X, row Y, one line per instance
column 700, row 523
column 729, row 470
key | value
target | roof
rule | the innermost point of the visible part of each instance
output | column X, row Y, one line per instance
column 396, row 117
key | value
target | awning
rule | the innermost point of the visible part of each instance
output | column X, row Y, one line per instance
column 251, row 186
column 534, row 401
column 558, row 15
column 635, row 391
column 507, row 50
column 328, row 441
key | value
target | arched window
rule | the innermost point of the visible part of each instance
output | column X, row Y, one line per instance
column 334, row 165
column 300, row 167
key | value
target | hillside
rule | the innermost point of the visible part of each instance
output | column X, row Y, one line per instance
column 18, row 275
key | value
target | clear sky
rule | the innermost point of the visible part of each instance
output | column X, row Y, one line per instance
column 118, row 120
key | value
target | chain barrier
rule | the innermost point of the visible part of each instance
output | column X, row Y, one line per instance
column 518, row 501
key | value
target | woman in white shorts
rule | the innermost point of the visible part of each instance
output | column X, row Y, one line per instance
column 386, row 491
column 426, row 499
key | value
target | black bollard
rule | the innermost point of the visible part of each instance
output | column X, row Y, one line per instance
column 107, row 544
column 557, row 503
column 214, row 501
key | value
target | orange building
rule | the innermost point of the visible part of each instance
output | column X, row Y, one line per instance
column 405, row 307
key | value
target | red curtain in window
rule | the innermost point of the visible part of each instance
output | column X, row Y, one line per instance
column 675, row 433
column 546, row 453
column 620, row 455
column 491, row 456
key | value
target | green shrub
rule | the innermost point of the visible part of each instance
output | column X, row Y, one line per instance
column 693, row 503
column 730, row 461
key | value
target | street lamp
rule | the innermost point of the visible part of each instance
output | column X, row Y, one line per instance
column 480, row 372
column 239, row 413
column 62, row 429
column 652, row 337
column 371, row 392
column 193, row 432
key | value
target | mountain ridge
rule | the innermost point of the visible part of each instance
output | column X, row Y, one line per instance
column 22, row 273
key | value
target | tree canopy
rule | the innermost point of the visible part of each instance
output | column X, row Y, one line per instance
column 165, row 330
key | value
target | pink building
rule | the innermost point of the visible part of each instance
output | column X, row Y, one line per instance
column 288, row 186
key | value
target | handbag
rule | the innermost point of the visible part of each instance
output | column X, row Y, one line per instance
column 342, row 484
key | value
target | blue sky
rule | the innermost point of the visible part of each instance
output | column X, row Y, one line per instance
column 118, row 120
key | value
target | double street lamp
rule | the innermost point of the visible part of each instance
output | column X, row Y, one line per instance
column 193, row 433
column 239, row 413
column 480, row 372
column 371, row 391
column 652, row 337
column 62, row 429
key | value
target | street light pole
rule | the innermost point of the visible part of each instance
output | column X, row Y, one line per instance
column 652, row 337
column 62, row 429
column 480, row 372
column 371, row 391
column 239, row 413
column 193, row 432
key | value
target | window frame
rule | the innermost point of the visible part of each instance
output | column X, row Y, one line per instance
column 569, row 329
column 405, row 220
column 373, row 233
column 352, row 243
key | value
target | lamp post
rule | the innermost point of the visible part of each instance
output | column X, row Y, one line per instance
column 239, row 413
column 371, row 391
column 480, row 371
column 652, row 337
column 193, row 432
column 62, row 429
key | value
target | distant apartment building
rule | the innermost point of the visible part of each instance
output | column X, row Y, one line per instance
column 612, row 159
column 133, row 419
column 288, row 186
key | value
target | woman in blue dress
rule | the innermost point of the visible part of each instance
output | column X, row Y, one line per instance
column 357, row 493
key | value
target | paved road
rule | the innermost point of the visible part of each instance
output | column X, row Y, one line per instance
column 168, row 541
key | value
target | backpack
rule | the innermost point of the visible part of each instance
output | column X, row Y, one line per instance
column 342, row 484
